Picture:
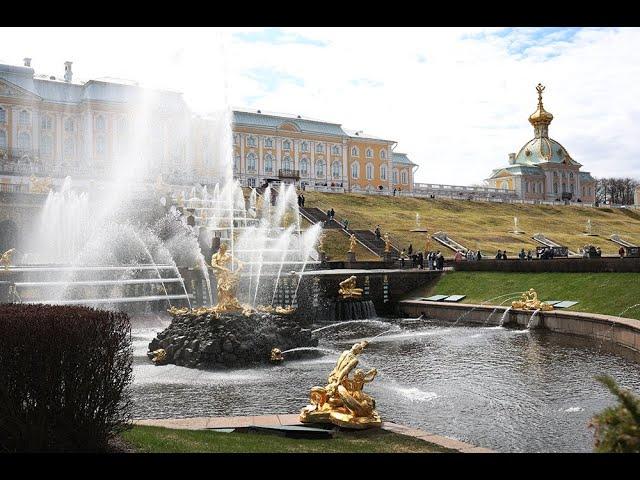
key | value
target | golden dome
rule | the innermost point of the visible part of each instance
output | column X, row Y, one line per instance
column 540, row 116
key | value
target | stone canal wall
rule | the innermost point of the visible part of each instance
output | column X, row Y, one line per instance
column 564, row 265
column 617, row 330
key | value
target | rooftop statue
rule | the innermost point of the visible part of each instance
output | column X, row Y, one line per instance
column 342, row 401
column 529, row 301
column 348, row 288
column 5, row 258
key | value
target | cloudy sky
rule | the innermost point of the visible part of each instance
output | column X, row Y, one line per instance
column 455, row 99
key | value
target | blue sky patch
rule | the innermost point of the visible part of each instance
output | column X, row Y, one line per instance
column 277, row 36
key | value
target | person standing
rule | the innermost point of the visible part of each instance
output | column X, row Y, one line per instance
column 499, row 255
column 402, row 255
column 529, row 256
column 458, row 256
column 440, row 260
column 478, row 256
column 504, row 255
column 420, row 261
column 410, row 249
column 621, row 252
column 345, row 222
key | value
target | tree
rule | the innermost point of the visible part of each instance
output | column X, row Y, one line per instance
column 617, row 429
column 618, row 191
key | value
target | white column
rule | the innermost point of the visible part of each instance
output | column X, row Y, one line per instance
column 35, row 130
column 58, row 137
column 346, row 180
column 15, row 118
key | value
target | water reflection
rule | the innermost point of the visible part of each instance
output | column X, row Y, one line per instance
column 509, row 390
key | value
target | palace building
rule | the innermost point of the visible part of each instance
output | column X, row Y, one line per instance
column 543, row 168
column 55, row 127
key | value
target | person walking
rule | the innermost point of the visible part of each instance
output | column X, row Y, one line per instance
column 302, row 200
column 621, row 252
column 478, row 256
column 402, row 255
column 333, row 213
column 378, row 232
column 345, row 222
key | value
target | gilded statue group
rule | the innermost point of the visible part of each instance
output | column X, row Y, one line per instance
column 529, row 301
column 342, row 401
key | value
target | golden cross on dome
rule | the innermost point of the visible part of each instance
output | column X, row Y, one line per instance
column 540, row 89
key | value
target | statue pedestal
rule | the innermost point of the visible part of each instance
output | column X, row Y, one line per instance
column 351, row 257
column 322, row 256
column 387, row 258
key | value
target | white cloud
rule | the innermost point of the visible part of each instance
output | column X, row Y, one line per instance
column 455, row 99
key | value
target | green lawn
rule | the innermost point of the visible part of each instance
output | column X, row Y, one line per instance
column 478, row 225
column 164, row 440
column 606, row 293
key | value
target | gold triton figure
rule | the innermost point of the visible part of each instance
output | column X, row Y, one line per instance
column 352, row 243
column 342, row 401
column 348, row 288
column 529, row 301
column 5, row 258
column 387, row 243
column 227, row 281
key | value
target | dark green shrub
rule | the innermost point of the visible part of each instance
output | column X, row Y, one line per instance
column 64, row 376
column 617, row 429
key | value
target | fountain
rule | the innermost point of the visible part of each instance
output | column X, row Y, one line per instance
column 516, row 230
column 588, row 230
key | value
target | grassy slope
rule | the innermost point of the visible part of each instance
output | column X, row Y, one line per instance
column 480, row 225
column 607, row 293
column 163, row 440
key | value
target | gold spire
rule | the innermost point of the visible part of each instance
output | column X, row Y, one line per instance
column 540, row 116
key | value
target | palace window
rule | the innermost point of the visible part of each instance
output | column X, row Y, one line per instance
column 355, row 170
column 572, row 188
column 369, row 171
column 336, row 169
column 304, row 167
column 236, row 163
column 571, row 176
column 69, row 125
column 354, row 151
column 46, row 145
column 3, row 139
column 100, row 145
column 369, row 153
column 251, row 182
column 287, row 164
column 251, row 141
column 383, row 154
column 319, row 148
column 268, row 142
column 46, row 123
column 304, row 146
column 336, row 150
column 24, row 141
column 526, row 186
column 24, row 118
column 395, row 176
column 564, row 187
column 251, row 162
column 69, row 148
column 555, row 188
column 286, row 145
column 320, row 168
column 236, row 139
column 100, row 124
column 383, row 172
column 3, row 115
column 403, row 177
column 268, row 163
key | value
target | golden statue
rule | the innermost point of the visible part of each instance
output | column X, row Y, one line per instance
column 387, row 243
column 158, row 357
column 321, row 243
column 5, row 258
column 352, row 244
column 288, row 310
column 348, row 288
column 342, row 401
column 39, row 185
column 227, row 281
column 529, row 301
column 276, row 355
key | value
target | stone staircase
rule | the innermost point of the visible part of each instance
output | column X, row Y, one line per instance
column 373, row 243
column 444, row 239
column 315, row 215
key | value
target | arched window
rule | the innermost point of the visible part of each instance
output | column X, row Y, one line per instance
column 555, row 187
column 355, row 170
column 101, row 145
column 46, row 123
column 570, row 175
column 304, row 167
column 564, row 187
column 572, row 188
column 304, row 146
column 236, row 163
column 336, row 169
column 268, row 142
column 100, row 124
column 69, row 125
column 268, row 163
column 320, row 168
column 286, row 163
column 395, row 176
column 3, row 115
column 251, row 141
column 24, row 141
column 526, row 186
column 46, row 145
column 369, row 153
column 3, row 139
column 335, row 150
column 383, row 154
column 383, row 172
column 403, row 177
column 69, row 148
column 24, row 118
column 251, row 162
column 286, row 145
column 354, row 151
column 319, row 148
column 369, row 171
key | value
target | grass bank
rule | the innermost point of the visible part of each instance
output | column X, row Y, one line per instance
column 164, row 440
column 480, row 225
column 605, row 293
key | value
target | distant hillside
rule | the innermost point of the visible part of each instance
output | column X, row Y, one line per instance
column 479, row 225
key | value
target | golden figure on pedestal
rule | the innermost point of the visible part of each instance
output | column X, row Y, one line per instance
column 348, row 288
column 387, row 243
column 276, row 355
column 227, row 281
column 37, row 185
column 529, row 301
column 352, row 244
column 5, row 258
column 342, row 401
column 158, row 356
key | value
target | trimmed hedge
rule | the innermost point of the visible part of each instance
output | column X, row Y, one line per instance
column 64, row 377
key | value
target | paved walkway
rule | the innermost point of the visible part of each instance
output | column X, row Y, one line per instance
column 204, row 423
